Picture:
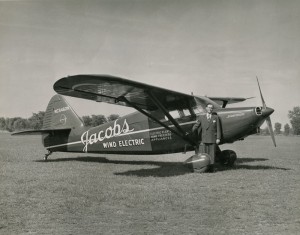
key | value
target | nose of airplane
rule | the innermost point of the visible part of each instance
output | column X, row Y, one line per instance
column 267, row 112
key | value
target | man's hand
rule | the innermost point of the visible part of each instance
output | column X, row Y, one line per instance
column 217, row 141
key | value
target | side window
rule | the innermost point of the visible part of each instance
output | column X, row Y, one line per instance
column 175, row 114
column 180, row 113
column 186, row 112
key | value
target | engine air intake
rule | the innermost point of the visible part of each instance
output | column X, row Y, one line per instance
column 258, row 111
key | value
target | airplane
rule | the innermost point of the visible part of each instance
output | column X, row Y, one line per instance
column 162, row 122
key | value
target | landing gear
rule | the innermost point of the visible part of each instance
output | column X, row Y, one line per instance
column 227, row 158
column 198, row 163
column 201, row 162
column 47, row 155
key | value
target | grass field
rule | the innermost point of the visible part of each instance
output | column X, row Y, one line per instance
column 113, row 194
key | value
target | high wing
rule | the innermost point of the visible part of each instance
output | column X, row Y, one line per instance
column 120, row 91
column 144, row 98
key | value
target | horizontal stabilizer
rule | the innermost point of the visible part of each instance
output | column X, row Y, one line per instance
column 223, row 101
column 43, row 131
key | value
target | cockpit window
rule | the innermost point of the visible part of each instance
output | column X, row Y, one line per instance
column 175, row 114
column 180, row 113
column 186, row 112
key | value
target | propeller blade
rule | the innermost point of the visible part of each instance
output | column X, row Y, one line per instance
column 268, row 119
column 269, row 123
column 261, row 96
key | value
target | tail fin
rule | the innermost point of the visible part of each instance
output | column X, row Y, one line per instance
column 60, row 115
column 59, row 118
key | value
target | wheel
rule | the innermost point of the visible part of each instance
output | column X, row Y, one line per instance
column 47, row 155
column 228, row 158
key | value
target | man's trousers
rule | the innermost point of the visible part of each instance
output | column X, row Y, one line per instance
column 210, row 149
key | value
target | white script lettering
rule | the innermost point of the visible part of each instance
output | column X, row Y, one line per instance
column 111, row 131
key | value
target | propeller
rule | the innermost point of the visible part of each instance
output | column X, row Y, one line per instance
column 268, row 119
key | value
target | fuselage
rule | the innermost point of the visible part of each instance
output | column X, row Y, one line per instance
column 138, row 134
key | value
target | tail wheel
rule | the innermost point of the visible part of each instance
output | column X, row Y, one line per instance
column 47, row 155
column 228, row 158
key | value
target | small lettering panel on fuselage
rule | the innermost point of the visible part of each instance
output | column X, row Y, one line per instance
column 63, row 109
column 160, row 135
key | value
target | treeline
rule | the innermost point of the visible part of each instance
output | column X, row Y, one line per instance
column 35, row 122
column 96, row 120
column 293, row 129
column 287, row 130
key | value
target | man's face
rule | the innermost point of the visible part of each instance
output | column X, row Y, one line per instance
column 209, row 108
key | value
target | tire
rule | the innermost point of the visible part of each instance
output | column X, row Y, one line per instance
column 228, row 158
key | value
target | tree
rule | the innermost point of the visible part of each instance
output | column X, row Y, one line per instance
column 113, row 117
column 87, row 120
column 98, row 120
column 277, row 128
column 2, row 123
column 36, row 120
column 21, row 124
column 10, row 123
column 294, row 116
column 287, row 129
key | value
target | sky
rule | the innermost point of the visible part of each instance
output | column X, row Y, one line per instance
column 213, row 48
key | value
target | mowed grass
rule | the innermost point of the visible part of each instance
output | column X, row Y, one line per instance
column 76, row 193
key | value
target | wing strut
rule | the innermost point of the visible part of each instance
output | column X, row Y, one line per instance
column 163, row 109
column 183, row 136
column 224, row 103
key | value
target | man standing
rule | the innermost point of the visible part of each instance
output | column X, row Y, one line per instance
column 208, row 130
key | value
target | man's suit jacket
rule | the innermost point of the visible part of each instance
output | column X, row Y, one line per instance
column 208, row 130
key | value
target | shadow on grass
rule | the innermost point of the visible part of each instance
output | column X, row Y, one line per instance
column 242, row 160
column 239, row 164
column 251, row 167
column 260, row 167
column 165, row 169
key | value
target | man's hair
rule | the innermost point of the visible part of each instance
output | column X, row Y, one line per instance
column 210, row 104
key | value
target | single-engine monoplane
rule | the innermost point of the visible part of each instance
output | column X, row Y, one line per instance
column 161, row 125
